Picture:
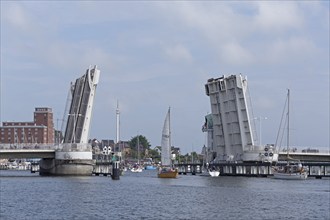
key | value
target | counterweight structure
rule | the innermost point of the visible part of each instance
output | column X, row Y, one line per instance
column 231, row 128
column 81, row 109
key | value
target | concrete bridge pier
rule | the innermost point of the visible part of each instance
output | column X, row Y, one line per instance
column 68, row 163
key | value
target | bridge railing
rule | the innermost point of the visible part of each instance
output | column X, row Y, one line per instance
column 75, row 147
column 26, row 146
column 306, row 153
column 306, row 150
column 60, row 147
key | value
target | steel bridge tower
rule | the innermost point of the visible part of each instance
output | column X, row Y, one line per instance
column 231, row 117
column 81, row 109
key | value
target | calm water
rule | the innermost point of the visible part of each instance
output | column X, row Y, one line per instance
column 144, row 196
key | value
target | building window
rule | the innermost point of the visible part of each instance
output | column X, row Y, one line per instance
column 222, row 85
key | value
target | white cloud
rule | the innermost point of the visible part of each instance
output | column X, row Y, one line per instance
column 234, row 53
column 278, row 16
column 178, row 53
column 16, row 16
column 294, row 50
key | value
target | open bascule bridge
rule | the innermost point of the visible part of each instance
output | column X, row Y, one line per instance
column 231, row 147
column 74, row 155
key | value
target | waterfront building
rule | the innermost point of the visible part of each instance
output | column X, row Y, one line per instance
column 38, row 131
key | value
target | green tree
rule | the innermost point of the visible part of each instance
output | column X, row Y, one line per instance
column 155, row 155
column 144, row 146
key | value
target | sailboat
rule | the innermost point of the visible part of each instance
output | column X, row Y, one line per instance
column 166, row 170
column 293, row 168
column 137, row 167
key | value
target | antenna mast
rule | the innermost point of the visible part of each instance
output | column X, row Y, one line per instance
column 117, row 123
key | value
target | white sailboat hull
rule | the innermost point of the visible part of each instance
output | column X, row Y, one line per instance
column 136, row 170
column 290, row 176
column 214, row 173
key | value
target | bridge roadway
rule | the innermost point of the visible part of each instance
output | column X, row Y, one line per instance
column 306, row 157
column 27, row 153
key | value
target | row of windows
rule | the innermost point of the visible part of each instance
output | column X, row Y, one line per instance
column 21, row 139
column 15, row 129
column 21, row 131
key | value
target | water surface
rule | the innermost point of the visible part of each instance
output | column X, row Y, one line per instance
column 144, row 196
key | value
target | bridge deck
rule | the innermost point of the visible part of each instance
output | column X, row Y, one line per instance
column 27, row 153
column 308, row 157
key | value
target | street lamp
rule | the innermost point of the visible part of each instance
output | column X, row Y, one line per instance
column 259, row 119
column 58, row 132
column 75, row 115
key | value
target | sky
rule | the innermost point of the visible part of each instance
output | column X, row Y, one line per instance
column 156, row 54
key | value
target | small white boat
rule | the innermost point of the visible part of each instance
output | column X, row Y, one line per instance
column 214, row 173
column 136, row 169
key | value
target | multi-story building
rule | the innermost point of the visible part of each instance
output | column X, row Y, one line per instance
column 39, row 131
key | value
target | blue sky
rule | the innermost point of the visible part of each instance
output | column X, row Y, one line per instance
column 153, row 55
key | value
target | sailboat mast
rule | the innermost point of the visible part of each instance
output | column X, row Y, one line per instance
column 117, row 123
column 169, row 127
column 138, row 143
column 288, row 127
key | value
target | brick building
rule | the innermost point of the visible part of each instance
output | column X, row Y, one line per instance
column 40, row 131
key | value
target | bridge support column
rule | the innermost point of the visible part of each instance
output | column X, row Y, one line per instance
column 75, row 163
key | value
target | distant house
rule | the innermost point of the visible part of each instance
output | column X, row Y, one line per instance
column 174, row 150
